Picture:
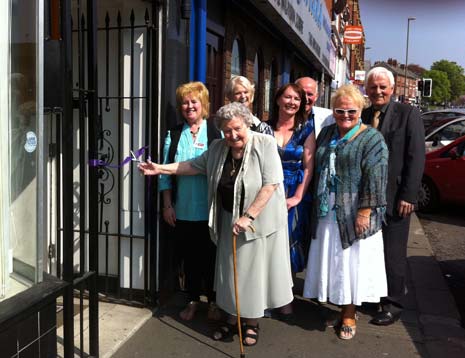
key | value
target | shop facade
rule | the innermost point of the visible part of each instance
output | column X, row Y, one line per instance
column 84, row 84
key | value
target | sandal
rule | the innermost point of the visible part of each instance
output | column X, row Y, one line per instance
column 224, row 331
column 187, row 314
column 246, row 334
column 214, row 312
column 348, row 330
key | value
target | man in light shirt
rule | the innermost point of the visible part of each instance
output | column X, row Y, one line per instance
column 321, row 116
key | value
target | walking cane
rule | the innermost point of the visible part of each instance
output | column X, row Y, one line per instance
column 236, row 293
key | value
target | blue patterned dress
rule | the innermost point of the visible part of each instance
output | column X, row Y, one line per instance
column 298, row 216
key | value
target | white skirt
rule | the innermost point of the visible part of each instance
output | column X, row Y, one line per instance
column 344, row 276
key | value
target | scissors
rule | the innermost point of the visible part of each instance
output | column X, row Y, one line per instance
column 134, row 158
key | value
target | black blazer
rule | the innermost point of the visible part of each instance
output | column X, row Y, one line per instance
column 404, row 134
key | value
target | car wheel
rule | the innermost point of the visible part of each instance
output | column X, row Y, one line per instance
column 428, row 196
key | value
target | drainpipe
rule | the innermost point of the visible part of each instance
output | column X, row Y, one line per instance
column 201, row 41
column 192, row 40
column 198, row 41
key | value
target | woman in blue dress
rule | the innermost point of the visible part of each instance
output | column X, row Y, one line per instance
column 296, row 146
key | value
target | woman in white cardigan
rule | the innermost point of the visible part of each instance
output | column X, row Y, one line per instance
column 245, row 189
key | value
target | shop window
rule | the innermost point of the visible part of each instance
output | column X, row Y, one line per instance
column 272, row 87
column 258, row 81
column 237, row 59
column 20, row 146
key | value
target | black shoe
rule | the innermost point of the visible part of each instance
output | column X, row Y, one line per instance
column 267, row 313
column 385, row 318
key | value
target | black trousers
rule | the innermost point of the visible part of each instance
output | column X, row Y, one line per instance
column 198, row 253
column 395, row 238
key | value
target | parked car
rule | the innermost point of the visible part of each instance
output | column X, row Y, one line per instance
column 443, row 132
column 432, row 116
column 444, row 176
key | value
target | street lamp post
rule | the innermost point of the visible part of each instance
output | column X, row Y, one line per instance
column 406, row 57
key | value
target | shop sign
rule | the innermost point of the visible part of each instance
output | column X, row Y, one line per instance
column 359, row 75
column 309, row 19
column 353, row 34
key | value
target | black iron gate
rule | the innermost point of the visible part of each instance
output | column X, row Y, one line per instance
column 102, row 242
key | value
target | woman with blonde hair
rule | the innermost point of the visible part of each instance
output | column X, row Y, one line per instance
column 346, row 258
column 185, row 198
column 240, row 89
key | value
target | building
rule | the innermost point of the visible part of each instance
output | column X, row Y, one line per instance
column 86, row 82
column 349, row 58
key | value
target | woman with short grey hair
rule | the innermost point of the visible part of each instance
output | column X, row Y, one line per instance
column 245, row 198
column 228, row 112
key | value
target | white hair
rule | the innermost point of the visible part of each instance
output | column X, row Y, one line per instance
column 377, row 72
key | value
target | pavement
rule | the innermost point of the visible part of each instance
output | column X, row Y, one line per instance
column 429, row 327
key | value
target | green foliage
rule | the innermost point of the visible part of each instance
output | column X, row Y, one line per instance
column 441, row 86
column 455, row 74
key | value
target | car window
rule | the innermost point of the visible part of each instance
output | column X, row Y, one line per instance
column 427, row 117
column 451, row 132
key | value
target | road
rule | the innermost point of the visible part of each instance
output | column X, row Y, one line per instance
column 445, row 230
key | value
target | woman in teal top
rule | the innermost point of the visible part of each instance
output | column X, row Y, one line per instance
column 185, row 198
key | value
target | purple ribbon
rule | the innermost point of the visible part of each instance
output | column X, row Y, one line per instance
column 131, row 158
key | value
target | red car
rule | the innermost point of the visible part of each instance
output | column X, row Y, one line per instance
column 444, row 176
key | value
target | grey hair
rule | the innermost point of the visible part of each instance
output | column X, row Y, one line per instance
column 239, row 80
column 376, row 72
column 230, row 111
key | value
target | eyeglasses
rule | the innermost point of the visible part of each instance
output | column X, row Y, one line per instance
column 350, row 112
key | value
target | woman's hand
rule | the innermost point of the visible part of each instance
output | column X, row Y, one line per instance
column 362, row 224
column 169, row 215
column 149, row 168
column 242, row 225
column 292, row 201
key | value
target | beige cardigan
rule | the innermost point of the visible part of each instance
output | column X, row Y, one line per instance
column 260, row 166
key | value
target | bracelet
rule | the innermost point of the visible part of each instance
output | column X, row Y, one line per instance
column 167, row 207
column 364, row 216
column 247, row 215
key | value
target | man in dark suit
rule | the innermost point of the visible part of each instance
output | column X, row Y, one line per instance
column 403, row 131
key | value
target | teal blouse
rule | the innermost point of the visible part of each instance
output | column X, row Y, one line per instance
column 191, row 199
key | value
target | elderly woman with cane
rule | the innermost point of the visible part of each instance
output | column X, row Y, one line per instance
column 346, row 259
column 246, row 198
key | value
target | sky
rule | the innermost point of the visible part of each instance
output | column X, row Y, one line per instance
column 437, row 33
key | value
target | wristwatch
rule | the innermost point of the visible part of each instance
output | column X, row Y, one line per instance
column 247, row 215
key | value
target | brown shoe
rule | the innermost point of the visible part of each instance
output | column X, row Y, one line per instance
column 187, row 314
column 214, row 312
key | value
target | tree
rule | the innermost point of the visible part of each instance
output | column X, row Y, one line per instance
column 455, row 75
column 441, row 86
column 416, row 69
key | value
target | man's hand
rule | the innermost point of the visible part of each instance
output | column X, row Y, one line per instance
column 405, row 208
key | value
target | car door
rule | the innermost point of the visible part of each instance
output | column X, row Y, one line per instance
column 449, row 171
column 445, row 135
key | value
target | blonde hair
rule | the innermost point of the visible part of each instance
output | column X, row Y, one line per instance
column 195, row 89
column 239, row 80
column 351, row 92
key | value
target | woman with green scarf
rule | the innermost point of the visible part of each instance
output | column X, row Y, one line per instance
column 346, row 258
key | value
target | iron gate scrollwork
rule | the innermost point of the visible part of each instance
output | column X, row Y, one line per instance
column 102, row 206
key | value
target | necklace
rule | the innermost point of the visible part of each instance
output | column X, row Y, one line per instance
column 194, row 133
column 235, row 164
